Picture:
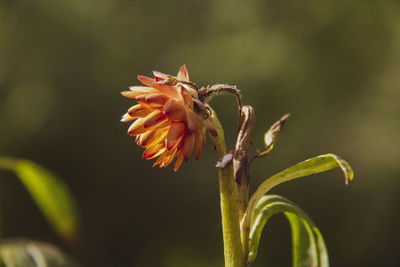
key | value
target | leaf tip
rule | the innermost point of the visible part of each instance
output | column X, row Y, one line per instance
column 345, row 167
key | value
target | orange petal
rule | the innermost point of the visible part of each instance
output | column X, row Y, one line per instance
column 146, row 80
column 137, row 90
column 187, row 97
column 159, row 160
column 139, row 111
column 174, row 110
column 152, row 100
column 183, row 74
column 198, row 146
column 168, row 160
column 142, row 89
column 137, row 139
column 165, row 158
column 188, row 144
column 130, row 94
column 153, row 137
column 154, row 151
column 192, row 120
column 153, row 119
column 162, row 125
column 178, row 162
column 136, row 127
column 156, row 154
column 126, row 118
column 175, row 134
column 158, row 76
column 169, row 157
column 144, row 138
column 170, row 90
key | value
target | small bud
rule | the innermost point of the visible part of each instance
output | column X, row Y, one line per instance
column 272, row 134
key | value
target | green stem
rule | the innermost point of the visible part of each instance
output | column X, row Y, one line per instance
column 229, row 206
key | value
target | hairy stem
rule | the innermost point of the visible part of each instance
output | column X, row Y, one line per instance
column 207, row 94
column 229, row 206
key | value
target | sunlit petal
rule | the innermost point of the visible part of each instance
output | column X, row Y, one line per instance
column 139, row 111
column 178, row 162
column 174, row 110
column 175, row 134
column 183, row 74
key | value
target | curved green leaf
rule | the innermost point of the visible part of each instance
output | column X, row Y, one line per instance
column 308, row 244
column 49, row 192
column 311, row 166
column 26, row 253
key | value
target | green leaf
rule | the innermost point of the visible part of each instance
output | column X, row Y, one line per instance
column 305, row 168
column 50, row 193
column 25, row 253
column 308, row 244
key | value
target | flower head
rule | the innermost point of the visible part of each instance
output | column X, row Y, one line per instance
column 169, row 120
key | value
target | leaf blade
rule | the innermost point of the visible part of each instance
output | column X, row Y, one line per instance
column 49, row 192
column 308, row 167
column 308, row 245
column 51, row 195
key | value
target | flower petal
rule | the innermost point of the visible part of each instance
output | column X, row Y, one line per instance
column 188, row 144
column 162, row 125
column 183, row 74
column 138, row 111
column 174, row 110
column 192, row 120
column 175, row 134
column 152, row 100
column 178, row 162
column 142, row 89
column 165, row 158
column 200, row 140
column 130, row 94
column 136, row 127
column 158, row 76
column 137, row 90
column 154, row 151
column 126, row 118
column 168, row 158
column 187, row 97
column 166, row 89
column 154, row 118
column 153, row 137
column 147, row 81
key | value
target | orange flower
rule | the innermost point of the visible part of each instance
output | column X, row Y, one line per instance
column 169, row 119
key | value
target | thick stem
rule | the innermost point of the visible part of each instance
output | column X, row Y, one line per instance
column 229, row 206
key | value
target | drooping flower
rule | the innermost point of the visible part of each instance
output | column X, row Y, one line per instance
column 169, row 120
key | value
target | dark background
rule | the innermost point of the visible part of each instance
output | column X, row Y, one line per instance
column 334, row 65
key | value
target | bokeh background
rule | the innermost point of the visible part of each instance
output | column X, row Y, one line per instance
column 334, row 65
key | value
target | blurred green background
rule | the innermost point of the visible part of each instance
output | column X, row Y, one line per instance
column 334, row 65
